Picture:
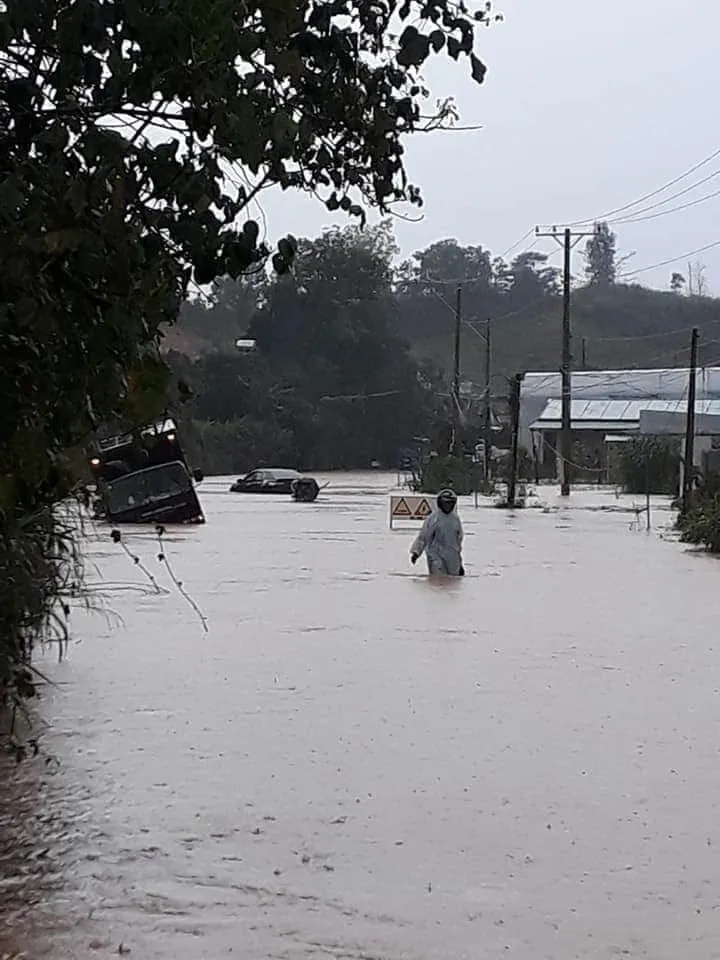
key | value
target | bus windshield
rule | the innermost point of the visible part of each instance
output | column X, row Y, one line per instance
column 147, row 486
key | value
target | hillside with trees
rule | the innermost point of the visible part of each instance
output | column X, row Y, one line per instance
column 355, row 349
column 331, row 384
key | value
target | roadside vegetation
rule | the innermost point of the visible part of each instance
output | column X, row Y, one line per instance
column 135, row 140
column 651, row 465
column 354, row 352
column 700, row 523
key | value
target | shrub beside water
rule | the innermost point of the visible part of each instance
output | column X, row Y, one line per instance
column 700, row 523
column 650, row 464
column 440, row 473
column 40, row 568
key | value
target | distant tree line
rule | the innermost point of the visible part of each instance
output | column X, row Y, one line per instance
column 355, row 351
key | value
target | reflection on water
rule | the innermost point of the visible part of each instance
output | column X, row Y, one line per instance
column 358, row 763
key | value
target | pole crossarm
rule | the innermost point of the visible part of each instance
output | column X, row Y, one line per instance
column 558, row 233
column 567, row 238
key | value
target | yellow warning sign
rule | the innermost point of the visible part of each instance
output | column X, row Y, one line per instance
column 422, row 510
column 409, row 507
column 401, row 508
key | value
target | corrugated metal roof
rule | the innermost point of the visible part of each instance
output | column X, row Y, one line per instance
column 663, row 384
column 599, row 414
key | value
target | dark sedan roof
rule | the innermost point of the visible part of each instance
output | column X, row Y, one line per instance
column 279, row 473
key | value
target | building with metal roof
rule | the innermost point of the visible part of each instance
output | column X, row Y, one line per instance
column 663, row 384
column 613, row 403
column 617, row 416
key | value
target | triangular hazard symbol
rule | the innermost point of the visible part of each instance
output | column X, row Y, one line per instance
column 401, row 509
column 422, row 510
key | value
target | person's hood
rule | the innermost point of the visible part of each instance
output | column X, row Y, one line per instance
column 448, row 496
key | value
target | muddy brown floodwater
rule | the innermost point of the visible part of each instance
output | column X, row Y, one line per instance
column 358, row 763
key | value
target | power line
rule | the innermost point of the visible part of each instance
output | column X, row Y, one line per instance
column 665, row 263
column 664, row 213
column 667, row 355
column 653, row 193
column 364, row 396
column 528, row 306
column 650, row 336
column 513, row 246
column 673, row 196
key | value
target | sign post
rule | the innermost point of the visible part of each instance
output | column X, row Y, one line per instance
column 409, row 507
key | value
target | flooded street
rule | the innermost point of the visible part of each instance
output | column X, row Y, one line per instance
column 356, row 762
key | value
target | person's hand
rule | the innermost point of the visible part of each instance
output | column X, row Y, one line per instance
column 413, row 558
column 462, row 570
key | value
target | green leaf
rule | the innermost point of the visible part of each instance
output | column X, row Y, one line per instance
column 59, row 241
column 414, row 48
column 454, row 47
column 251, row 232
column 286, row 248
column 206, row 269
column 280, row 264
column 478, row 69
column 92, row 70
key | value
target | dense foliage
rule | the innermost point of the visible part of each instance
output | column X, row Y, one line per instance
column 615, row 324
column 355, row 349
column 133, row 139
column 331, row 384
column 700, row 523
column 650, row 465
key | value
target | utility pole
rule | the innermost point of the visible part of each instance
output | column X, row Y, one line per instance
column 487, row 420
column 584, row 353
column 515, row 414
column 568, row 239
column 689, row 455
column 456, row 368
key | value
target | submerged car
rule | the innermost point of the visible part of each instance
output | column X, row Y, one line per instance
column 143, row 477
column 159, row 494
column 278, row 481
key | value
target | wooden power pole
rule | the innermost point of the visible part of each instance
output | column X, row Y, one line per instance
column 515, row 415
column 456, row 372
column 689, row 454
column 487, row 419
column 568, row 239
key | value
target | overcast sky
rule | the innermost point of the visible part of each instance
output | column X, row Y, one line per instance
column 586, row 107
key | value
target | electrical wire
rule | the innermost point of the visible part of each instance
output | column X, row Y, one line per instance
column 673, row 196
column 514, row 246
column 649, row 336
column 665, row 213
column 665, row 263
column 578, row 466
column 651, row 194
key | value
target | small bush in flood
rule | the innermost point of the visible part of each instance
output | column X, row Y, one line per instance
column 650, row 465
column 700, row 523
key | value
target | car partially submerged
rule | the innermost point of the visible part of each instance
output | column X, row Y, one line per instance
column 278, row 480
column 160, row 494
column 143, row 477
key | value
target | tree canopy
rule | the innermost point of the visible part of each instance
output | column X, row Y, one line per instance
column 332, row 382
column 355, row 349
column 136, row 135
column 600, row 266
column 134, row 138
